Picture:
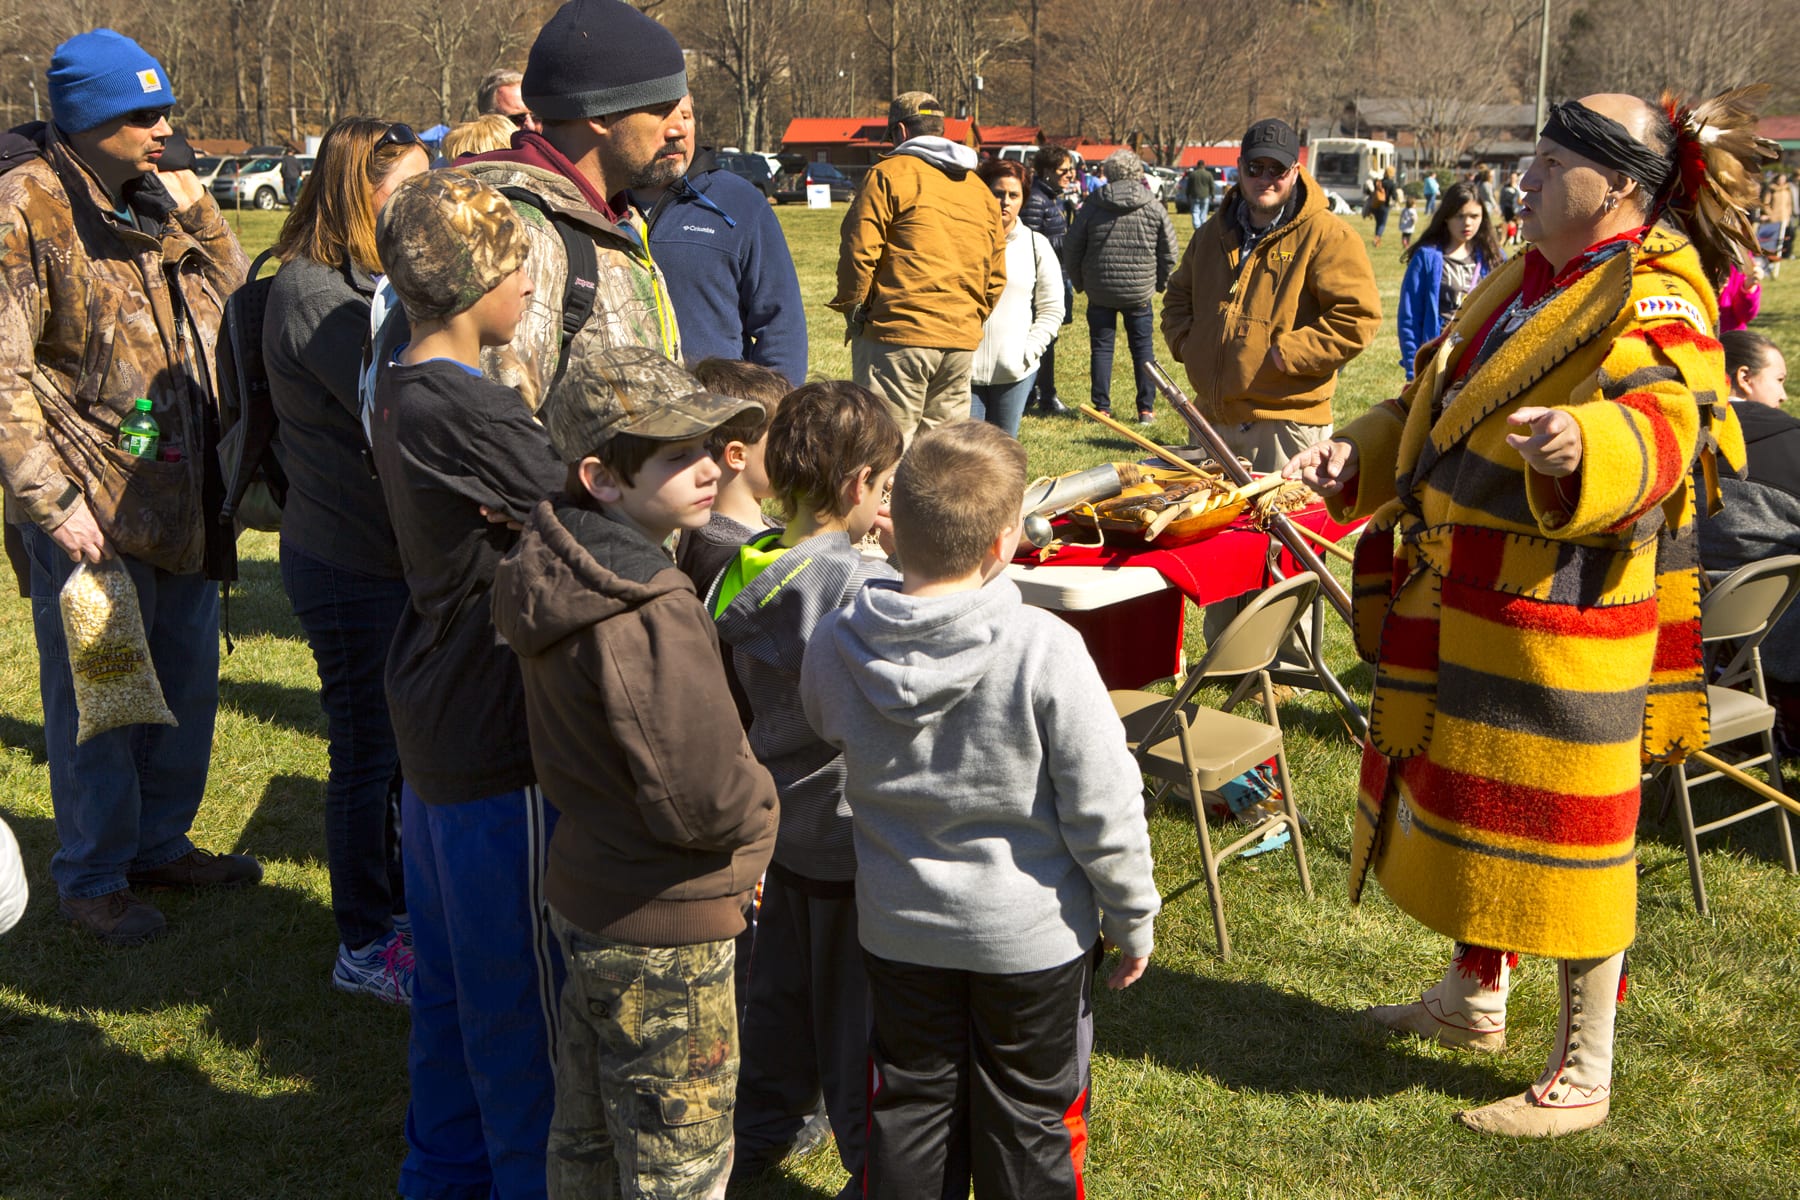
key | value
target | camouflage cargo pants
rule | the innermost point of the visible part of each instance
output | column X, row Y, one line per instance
column 646, row 1071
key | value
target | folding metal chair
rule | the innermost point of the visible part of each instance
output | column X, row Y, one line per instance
column 1177, row 742
column 1739, row 610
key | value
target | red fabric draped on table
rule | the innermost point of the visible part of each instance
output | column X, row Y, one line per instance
column 1140, row 639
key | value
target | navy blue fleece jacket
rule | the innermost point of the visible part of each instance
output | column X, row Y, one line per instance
column 726, row 262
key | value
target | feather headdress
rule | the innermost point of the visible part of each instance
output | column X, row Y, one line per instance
column 1719, row 161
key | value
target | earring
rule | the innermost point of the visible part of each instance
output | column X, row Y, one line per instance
column 1612, row 202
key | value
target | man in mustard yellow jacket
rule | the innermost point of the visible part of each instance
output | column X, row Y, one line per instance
column 1535, row 629
column 922, row 263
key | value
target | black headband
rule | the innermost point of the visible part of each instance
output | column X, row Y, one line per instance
column 1592, row 135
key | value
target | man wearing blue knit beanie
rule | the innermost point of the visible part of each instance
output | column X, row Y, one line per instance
column 86, row 338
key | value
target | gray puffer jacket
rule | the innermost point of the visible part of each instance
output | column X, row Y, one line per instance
column 1121, row 247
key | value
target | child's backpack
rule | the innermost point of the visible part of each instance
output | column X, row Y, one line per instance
column 255, row 485
column 389, row 329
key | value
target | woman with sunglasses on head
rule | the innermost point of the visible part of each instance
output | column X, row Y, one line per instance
column 339, row 562
column 1458, row 248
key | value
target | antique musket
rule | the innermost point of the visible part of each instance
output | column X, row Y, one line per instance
column 1279, row 524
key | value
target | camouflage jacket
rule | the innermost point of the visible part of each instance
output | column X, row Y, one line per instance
column 631, row 309
column 93, row 315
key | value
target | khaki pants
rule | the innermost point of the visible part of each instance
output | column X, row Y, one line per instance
column 924, row 387
column 1266, row 446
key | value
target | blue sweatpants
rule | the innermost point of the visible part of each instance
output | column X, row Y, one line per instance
column 484, row 1000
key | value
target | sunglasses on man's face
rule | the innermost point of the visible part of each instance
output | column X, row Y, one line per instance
column 398, row 134
column 518, row 118
column 145, row 118
column 1264, row 169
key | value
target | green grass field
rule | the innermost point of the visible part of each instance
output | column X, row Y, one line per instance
column 218, row 1063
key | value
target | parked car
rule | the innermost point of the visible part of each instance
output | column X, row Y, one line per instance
column 793, row 181
column 256, row 182
column 751, row 167
column 1162, row 180
column 208, row 166
column 1223, row 177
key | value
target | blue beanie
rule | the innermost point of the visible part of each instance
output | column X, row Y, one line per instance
column 98, row 75
column 595, row 57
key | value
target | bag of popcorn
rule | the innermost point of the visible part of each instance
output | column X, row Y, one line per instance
column 115, row 681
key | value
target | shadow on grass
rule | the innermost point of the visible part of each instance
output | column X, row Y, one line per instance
column 289, row 821
column 1252, row 1037
column 293, row 708
column 24, row 735
column 259, row 604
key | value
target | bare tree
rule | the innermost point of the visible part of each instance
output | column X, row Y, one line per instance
column 750, row 41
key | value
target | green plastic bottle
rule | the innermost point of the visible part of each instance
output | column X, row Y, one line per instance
column 139, row 435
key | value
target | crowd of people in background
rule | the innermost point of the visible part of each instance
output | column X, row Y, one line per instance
column 586, row 700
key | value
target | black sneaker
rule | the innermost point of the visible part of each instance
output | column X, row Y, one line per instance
column 1146, row 417
column 1051, row 406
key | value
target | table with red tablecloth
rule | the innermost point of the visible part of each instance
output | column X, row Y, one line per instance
column 1138, row 638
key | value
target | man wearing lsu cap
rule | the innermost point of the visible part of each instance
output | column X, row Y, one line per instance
column 608, row 87
column 451, row 447
column 1273, row 296
column 921, row 264
column 110, row 278
column 668, row 820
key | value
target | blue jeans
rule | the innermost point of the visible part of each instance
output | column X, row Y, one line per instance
column 125, row 799
column 349, row 619
column 1001, row 404
column 1201, row 210
column 484, row 1003
column 1102, row 329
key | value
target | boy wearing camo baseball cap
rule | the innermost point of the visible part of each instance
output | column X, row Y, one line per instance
column 459, row 455
column 667, row 819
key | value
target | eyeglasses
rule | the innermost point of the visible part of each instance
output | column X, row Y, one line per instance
column 1265, row 169
column 398, row 134
column 519, row 118
column 145, row 118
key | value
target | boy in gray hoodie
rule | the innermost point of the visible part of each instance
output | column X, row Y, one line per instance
column 830, row 453
column 999, row 833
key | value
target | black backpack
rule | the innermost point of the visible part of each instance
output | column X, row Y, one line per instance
column 255, row 485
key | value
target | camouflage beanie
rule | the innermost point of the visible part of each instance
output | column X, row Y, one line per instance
column 446, row 240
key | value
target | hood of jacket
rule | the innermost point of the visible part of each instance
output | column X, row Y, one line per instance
column 1123, row 195
column 940, row 152
column 574, row 567
column 914, row 658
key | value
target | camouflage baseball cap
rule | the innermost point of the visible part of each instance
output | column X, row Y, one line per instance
column 630, row 389
column 446, row 240
column 908, row 105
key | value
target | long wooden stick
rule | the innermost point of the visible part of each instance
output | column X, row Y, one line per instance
column 1324, row 543
column 1132, row 435
column 1748, row 780
column 1279, row 524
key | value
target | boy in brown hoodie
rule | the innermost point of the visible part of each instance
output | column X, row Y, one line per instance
column 667, row 819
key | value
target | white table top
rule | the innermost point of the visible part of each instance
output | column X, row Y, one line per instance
column 1082, row 589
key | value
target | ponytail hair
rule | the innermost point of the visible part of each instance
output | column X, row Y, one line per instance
column 1718, row 166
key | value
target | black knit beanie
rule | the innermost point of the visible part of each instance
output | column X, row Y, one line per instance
column 596, row 57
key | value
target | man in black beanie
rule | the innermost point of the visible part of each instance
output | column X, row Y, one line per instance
column 609, row 85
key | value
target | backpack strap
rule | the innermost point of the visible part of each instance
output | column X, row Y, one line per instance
column 582, row 285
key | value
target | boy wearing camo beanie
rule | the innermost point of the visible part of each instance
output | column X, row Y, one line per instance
column 458, row 456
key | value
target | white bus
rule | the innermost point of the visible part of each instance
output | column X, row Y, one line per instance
column 1345, row 165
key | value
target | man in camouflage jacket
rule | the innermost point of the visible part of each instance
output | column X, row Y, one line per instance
column 112, row 276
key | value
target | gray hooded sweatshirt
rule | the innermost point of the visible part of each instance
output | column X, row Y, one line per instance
column 768, row 625
column 996, row 808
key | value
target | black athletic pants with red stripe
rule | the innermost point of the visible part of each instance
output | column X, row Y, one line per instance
column 979, row 1078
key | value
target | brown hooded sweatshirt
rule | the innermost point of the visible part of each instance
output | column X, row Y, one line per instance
column 667, row 819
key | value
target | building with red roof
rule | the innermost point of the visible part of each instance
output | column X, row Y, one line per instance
column 854, row 141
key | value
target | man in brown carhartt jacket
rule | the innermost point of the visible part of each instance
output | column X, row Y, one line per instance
column 112, row 276
column 1272, row 298
column 922, row 263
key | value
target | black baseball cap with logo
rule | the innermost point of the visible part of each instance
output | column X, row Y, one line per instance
column 1271, row 138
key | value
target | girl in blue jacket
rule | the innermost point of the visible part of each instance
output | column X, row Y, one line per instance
column 1459, row 247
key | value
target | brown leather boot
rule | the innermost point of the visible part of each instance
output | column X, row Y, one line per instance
column 1575, row 1090
column 1459, row 1010
column 117, row 918
column 200, row 869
